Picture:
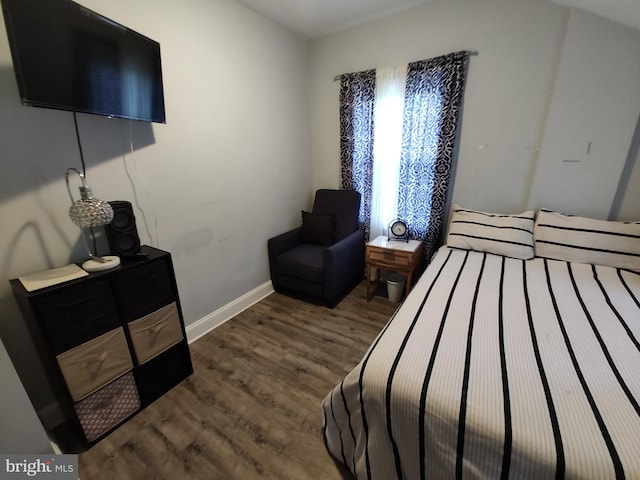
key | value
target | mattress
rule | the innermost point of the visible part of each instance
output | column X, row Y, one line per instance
column 495, row 367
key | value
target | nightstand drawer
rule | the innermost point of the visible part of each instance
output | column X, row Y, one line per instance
column 390, row 257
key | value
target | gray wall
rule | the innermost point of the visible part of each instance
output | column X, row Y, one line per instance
column 229, row 169
column 593, row 115
column 516, row 85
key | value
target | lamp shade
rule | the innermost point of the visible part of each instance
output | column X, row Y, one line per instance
column 89, row 211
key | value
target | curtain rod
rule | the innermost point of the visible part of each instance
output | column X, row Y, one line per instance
column 472, row 53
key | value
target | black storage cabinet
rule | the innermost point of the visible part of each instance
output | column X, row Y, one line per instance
column 109, row 344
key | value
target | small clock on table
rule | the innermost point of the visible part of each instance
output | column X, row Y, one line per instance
column 398, row 230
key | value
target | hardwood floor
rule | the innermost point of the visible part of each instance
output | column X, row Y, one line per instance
column 252, row 408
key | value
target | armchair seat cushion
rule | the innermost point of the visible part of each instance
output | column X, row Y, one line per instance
column 304, row 262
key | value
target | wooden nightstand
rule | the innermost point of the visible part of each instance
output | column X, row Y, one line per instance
column 396, row 255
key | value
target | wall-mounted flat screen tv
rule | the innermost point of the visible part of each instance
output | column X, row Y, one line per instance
column 68, row 57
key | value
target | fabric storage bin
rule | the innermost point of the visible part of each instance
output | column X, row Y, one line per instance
column 95, row 363
column 154, row 333
column 106, row 408
column 145, row 289
column 78, row 313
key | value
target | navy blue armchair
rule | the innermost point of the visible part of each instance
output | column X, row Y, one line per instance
column 322, row 260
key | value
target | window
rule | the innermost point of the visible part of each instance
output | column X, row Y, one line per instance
column 378, row 145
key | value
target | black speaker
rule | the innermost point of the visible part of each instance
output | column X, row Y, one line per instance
column 122, row 234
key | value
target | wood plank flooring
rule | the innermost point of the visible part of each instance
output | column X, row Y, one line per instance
column 252, row 408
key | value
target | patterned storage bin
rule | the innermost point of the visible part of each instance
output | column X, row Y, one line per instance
column 107, row 407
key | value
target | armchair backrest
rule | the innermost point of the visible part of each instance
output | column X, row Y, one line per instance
column 344, row 204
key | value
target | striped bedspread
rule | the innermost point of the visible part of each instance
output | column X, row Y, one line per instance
column 498, row 368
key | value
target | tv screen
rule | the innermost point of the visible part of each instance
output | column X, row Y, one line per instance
column 68, row 57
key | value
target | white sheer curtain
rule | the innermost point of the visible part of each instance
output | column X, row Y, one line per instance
column 389, row 103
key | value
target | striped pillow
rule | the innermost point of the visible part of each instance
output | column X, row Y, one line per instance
column 508, row 235
column 587, row 240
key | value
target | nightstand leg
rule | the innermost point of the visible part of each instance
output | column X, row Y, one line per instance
column 370, row 285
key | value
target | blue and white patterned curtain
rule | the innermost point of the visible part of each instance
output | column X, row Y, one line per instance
column 433, row 98
column 357, row 100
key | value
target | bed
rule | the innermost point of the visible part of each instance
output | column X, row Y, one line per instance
column 515, row 356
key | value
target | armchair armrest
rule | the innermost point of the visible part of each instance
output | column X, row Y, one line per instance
column 344, row 264
column 278, row 245
column 285, row 241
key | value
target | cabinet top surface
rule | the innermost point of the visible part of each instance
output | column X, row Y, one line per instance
column 383, row 242
column 147, row 254
column 402, row 245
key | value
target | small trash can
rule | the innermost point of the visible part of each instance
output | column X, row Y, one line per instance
column 395, row 286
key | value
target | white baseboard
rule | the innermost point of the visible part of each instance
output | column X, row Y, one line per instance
column 203, row 326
